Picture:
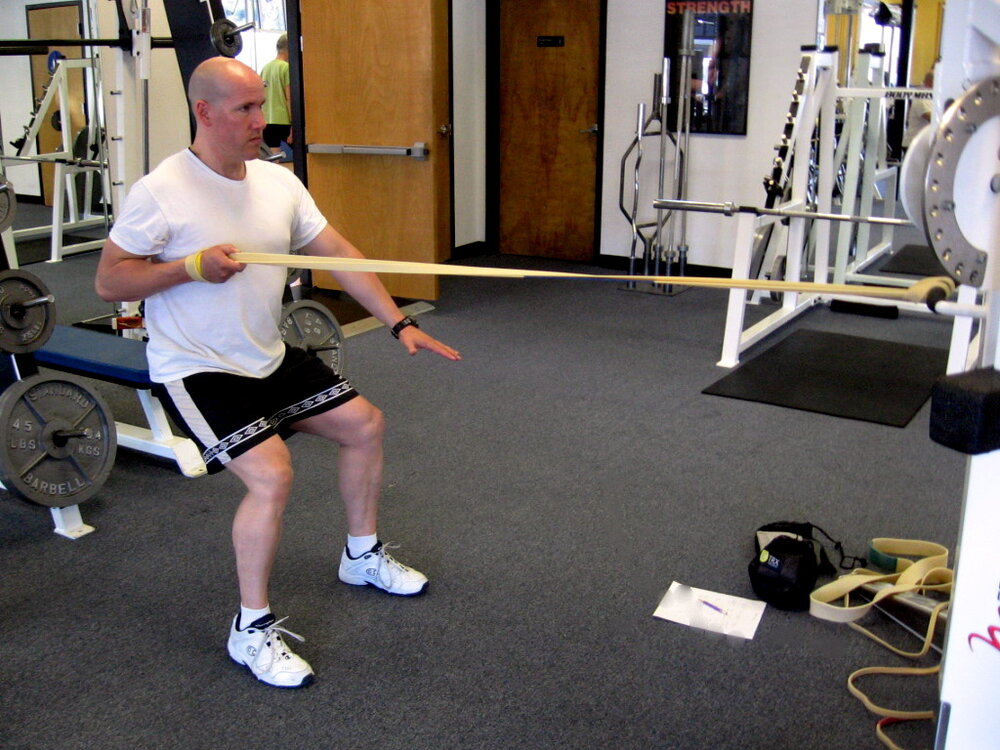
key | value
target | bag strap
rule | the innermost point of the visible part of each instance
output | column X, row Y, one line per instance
column 805, row 530
column 846, row 562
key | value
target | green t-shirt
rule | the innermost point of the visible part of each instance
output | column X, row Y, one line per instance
column 275, row 75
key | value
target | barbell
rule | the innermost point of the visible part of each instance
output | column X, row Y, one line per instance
column 223, row 33
column 729, row 208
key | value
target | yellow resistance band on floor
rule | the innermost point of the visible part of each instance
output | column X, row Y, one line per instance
column 934, row 287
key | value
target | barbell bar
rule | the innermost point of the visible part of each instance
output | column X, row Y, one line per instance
column 729, row 208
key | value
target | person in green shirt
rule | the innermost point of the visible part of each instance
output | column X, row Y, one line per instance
column 278, row 101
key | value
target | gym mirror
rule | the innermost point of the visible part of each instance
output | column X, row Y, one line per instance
column 719, row 51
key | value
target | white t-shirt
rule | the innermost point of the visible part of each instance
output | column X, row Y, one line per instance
column 183, row 206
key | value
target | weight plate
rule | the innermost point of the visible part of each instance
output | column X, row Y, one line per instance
column 27, row 312
column 53, row 61
column 58, row 440
column 912, row 175
column 778, row 274
column 310, row 326
column 294, row 274
column 957, row 188
column 8, row 205
column 226, row 40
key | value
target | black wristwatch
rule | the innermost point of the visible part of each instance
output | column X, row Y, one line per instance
column 404, row 323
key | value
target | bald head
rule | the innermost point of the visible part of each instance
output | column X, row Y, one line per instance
column 227, row 100
column 216, row 78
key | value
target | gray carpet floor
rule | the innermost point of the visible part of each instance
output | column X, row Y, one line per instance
column 551, row 485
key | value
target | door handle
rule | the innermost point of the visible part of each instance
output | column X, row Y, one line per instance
column 417, row 151
column 592, row 130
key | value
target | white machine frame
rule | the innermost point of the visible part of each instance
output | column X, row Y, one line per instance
column 968, row 716
column 876, row 184
column 67, row 166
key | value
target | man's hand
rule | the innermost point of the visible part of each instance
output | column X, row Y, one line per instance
column 414, row 340
column 217, row 266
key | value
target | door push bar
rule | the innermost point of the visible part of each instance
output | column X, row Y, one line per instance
column 417, row 151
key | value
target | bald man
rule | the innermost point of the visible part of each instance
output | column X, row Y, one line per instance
column 216, row 355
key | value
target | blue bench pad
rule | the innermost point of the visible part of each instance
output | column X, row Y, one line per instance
column 104, row 356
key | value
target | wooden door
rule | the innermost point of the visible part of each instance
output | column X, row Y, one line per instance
column 549, row 74
column 375, row 73
column 56, row 22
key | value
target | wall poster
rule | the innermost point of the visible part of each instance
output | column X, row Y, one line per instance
column 720, row 66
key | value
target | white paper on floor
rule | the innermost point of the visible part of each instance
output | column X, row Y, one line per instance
column 710, row 610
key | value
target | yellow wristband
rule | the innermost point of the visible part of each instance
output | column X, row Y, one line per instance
column 192, row 264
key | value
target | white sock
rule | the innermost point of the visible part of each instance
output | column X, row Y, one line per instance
column 248, row 616
column 358, row 545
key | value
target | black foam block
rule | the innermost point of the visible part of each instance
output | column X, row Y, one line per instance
column 965, row 411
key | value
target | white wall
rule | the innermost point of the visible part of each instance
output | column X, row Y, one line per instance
column 15, row 95
column 469, row 119
column 721, row 168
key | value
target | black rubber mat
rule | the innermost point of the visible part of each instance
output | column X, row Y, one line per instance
column 38, row 250
column 915, row 260
column 839, row 375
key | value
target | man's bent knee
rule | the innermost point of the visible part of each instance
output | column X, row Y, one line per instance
column 266, row 468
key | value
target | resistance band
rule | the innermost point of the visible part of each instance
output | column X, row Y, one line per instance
column 930, row 290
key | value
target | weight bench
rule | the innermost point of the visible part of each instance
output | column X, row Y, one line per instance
column 114, row 359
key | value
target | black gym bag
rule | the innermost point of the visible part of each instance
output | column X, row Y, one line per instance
column 789, row 561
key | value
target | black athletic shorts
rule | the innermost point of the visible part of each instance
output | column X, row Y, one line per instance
column 228, row 414
column 275, row 134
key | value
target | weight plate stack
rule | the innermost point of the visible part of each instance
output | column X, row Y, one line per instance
column 58, row 442
column 309, row 325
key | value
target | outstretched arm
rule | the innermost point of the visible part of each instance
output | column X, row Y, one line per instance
column 369, row 292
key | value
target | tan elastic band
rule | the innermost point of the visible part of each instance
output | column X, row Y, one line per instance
column 192, row 264
column 916, row 293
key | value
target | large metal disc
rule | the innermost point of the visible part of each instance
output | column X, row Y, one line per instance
column 8, row 205
column 27, row 312
column 225, row 38
column 59, row 440
column 310, row 326
column 960, row 183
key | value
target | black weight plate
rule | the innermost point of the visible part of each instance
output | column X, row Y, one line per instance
column 27, row 312
column 8, row 205
column 58, row 442
column 225, row 38
column 309, row 325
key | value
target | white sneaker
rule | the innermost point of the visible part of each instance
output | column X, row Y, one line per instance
column 379, row 569
column 261, row 649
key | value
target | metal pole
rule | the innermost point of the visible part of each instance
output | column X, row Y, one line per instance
column 639, row 125
column 731, row 208
column 664, row 100
column 685, row 134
